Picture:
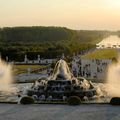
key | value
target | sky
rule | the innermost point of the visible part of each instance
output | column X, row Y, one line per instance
column 74, row 14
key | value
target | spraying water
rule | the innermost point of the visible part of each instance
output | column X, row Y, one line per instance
column 62, row 70
column 113, row 79
column 5, row 76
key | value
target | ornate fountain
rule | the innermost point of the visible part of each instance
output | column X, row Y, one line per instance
column 61, row 85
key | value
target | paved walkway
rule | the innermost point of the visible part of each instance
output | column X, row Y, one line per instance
column 59, row 112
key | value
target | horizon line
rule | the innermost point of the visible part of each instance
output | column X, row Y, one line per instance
column 91, row 29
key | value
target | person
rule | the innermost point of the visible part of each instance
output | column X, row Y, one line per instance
column 86, row 99
column 64, row 98
column 95, row 75
column 49, row 98
column 35, row 97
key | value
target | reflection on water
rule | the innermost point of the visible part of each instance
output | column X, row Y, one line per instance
column 110, row 42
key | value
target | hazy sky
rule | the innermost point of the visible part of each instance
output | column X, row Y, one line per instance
column 75, row 14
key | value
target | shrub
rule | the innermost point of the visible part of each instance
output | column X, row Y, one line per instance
column 74, row 100
column 115, row 101
column 27, row 100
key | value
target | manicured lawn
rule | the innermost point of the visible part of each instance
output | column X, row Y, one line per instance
column 102, row 54
column 23, row 68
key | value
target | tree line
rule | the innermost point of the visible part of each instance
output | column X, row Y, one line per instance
column 48, row 42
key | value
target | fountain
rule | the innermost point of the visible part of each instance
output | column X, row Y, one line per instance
column 8, row 91
column 61, row 85
column 61, row 70
column 113, row 79
column 5, row 76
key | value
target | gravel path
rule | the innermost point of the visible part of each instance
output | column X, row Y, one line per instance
column 59, row 112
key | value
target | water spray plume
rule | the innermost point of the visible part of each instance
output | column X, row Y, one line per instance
column 5, row 76
column 113, row 79
column 62, row 69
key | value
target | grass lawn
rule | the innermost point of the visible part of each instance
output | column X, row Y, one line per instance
column 102, row 54
column 18, row 69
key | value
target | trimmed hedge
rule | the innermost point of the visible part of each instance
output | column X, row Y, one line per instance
column 115, row 101
column 27, row 100
column 74, row 100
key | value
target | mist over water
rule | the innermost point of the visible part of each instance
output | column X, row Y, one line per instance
column 113, row 79
column 5, row 76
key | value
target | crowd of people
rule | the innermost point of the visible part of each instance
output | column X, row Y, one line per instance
column 89, row 68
